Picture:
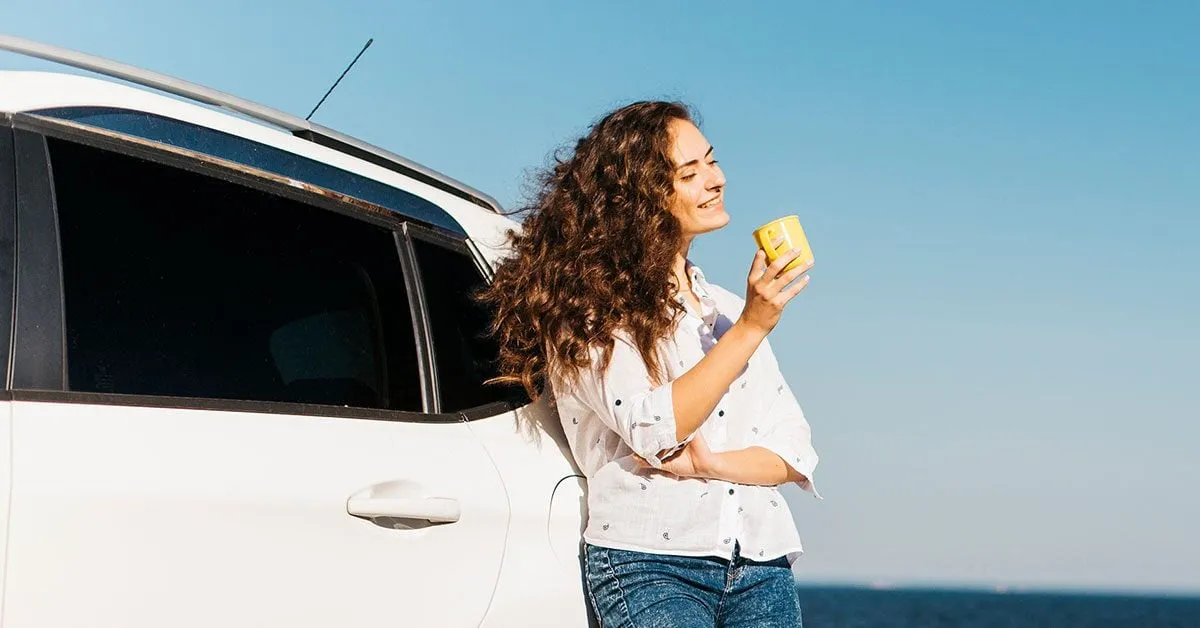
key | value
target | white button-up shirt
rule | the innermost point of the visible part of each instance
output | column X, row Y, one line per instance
column 608, row 417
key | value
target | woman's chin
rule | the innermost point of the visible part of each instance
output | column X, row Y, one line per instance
column 716, row 221
column 706, row 224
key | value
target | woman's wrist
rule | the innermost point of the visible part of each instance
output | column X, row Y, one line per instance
column 713, row 468
column 753, row 333
column 753, row 466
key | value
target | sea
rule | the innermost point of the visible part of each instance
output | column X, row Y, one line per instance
column 844, row 607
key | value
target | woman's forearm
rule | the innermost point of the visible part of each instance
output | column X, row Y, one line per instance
column 752, row 465
column 768, row 290
column 695, row 393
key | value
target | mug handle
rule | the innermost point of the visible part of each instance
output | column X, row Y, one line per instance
column 772, row 253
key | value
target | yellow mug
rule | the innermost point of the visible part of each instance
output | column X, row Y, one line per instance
column 789, row 230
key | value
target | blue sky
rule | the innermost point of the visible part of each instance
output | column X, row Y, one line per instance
column 998, row 349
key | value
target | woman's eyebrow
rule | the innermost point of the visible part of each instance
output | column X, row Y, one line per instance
column 694, row 161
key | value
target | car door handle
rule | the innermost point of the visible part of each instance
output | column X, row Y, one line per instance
column 431, row 509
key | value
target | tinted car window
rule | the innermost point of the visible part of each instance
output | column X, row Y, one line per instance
column 236, row 149
column 465, row 355
column 180, row 284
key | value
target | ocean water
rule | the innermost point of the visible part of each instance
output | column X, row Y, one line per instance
column 832, row 607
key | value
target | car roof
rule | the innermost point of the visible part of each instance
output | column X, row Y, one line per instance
column 33, row 91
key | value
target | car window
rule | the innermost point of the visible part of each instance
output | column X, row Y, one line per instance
column 465, row 355
column 208, row 141
column 185, row 285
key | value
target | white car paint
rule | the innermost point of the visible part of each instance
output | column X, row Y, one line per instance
column 541, row 584
column 157, row 516
column 28, row 91
column 138, row 517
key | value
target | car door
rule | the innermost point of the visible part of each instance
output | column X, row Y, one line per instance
column 221, row 407
column 526, row 441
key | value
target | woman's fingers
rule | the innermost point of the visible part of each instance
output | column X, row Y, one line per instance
column 787, row 295
column 770, row 287
column 776, row 267
column 758, row 267
column 781, row 282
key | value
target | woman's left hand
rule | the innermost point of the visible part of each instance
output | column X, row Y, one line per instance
column 695, row 460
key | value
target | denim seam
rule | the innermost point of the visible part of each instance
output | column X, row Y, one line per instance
column 588, row 581
column 612, row 573
column 731, row 574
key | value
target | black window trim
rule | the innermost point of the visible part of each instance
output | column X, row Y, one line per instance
column 8, row 248
column 206, row 165
column 279, row 162
column 32, row 379
column 421, row 333
column 424, row 331
column 481, row 261
column 458, row 245
column 39, row 333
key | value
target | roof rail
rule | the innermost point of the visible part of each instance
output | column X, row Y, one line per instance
column 299, row 127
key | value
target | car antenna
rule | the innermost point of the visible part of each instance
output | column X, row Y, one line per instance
column 339, row 79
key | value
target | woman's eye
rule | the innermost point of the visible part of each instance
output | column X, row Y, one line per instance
column 713, row 162
column 687, row 177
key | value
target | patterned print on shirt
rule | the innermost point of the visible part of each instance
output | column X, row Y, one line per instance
column 766, row 528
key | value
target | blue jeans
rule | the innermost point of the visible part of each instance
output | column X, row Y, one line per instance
column 639, row 590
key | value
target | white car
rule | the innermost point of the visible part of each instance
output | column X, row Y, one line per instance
column 244, row 376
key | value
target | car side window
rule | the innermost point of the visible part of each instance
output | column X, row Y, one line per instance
column 185, row 285
column 465, row 355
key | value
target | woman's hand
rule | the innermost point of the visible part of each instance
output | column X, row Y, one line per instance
column 768, row 290
column 695, row 460
column 756, row 466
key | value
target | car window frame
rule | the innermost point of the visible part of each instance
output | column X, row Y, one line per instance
column 465, row 247
column 38, row 358
column 168, row 131
column 8, row 239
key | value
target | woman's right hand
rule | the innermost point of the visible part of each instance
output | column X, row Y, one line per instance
column 768, row 290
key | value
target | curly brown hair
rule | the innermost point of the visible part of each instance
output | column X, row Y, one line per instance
column 594, row 255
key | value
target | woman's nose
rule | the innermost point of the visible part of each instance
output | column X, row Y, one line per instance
column 716, row 179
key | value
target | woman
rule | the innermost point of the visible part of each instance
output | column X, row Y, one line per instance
column 683, row 439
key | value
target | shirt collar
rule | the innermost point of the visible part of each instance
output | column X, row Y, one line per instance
column 708, row 305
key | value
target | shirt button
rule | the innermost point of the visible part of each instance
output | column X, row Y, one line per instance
column 721, row 413
column 731, row 491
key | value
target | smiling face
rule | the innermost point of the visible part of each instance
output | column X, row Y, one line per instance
column 699, row 199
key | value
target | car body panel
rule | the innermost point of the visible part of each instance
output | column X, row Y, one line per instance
column 137, row 516
column 91, row 480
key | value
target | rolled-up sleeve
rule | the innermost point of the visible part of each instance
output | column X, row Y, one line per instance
column 786, row 432
column 626, row 401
